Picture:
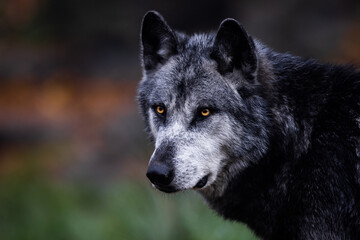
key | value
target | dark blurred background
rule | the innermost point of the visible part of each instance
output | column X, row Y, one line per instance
column 73, row 153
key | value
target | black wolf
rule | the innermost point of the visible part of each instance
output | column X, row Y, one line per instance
column 268, row 139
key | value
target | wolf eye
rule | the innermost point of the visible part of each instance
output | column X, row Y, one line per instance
column 205, row 112
column 160, row 110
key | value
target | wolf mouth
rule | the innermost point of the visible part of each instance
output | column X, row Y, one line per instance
column 202, row 182
column 171, row 189
column 166, row 189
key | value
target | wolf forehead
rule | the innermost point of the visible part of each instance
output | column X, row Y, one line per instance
column 192, row 61
column 195, row 46
column 190, row 72
column 184, row 87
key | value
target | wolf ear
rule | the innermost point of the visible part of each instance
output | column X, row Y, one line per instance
column 234, row 49
column 158, row 41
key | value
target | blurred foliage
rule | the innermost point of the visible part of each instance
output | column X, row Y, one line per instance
column 33, row 208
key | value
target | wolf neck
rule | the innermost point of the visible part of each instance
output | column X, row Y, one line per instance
column 251, row 193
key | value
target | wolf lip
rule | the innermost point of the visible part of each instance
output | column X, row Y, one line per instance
column 166, row 189
column 202, row 182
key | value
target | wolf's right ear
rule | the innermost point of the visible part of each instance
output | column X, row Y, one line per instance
column 158, row 41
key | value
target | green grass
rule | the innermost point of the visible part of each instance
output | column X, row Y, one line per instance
column 37, row 209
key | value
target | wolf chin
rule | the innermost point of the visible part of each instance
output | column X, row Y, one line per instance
column 268, row 139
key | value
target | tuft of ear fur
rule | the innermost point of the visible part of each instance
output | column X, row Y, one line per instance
column 234, row 49
column 158, row 41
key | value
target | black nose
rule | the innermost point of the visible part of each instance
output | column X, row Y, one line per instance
column 160, row 174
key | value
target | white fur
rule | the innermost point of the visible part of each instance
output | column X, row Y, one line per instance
column 197, row 153
column 151, row 121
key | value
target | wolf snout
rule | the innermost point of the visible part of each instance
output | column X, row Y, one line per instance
column 160, row 171
column 160, row 174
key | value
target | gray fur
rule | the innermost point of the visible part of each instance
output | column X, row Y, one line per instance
column 222, row 151
column 280, row 149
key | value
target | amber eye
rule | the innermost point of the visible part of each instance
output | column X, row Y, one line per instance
column 160, row 110
column 205, row 112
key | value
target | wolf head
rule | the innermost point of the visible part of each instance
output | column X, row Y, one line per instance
column 203, row 104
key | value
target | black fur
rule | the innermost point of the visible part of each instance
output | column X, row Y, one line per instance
column 315, row 195
column 304, row 181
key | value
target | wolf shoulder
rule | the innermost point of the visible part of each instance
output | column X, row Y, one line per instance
column 326, row 96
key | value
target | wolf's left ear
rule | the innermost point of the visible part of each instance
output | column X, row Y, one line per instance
column 158, row 41
column 234, row 49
